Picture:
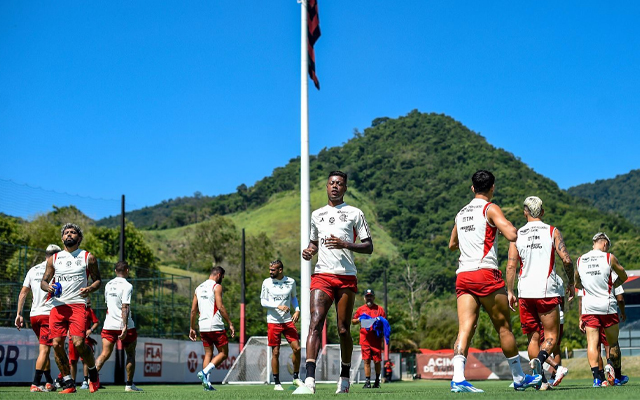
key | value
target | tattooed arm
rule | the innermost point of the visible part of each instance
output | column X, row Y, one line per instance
column 567, row 263
column 49, row 271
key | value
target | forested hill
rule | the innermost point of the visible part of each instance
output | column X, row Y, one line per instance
column 618, row 195
column 416, row 170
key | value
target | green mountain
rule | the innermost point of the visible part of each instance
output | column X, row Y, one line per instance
column 618, row 195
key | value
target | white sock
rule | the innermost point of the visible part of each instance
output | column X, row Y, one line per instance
column 208, row 368
column 516, row 369
column 66, row 378
column 458, row 368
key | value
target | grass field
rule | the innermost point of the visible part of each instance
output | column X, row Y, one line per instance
column 578, row 389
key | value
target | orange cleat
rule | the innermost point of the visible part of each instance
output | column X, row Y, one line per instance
column 71, row 389
column 93, row 386
column 50, row 387
column 35, row 388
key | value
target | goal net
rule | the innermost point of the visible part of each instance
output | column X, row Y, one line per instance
column 253, row 365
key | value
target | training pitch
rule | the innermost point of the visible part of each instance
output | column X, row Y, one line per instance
column 578, row 389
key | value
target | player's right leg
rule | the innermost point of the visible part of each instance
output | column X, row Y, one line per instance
column 130, row 366
column 320, row 302
column 107, row 349
column 275, row 365
column 468, row 313
column 345, row 299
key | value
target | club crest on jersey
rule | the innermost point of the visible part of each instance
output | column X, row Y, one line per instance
column 78, row 262
column 332, row 220
column 343, row 217
column 69, row 263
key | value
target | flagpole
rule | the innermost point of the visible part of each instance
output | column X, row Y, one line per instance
column 305, row 202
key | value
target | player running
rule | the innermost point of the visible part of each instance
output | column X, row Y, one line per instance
column 207, row 301
column 278, row 296
column 479, row 281
column 334, row 229
column 594, row 276
column 539, row 286
column 118, row 324
column 69, row 270
column 39, row 316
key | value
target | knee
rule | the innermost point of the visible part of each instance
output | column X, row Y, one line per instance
column 276, row 352
column 343, row 330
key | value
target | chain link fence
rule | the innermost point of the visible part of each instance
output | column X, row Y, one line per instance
column 160, row 304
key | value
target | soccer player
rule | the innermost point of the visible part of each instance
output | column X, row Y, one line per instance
column 207, row 301
column 118, row 324
column 370, row 342
column 594, row 277
column 278, row 296
column 334, row 229
column 70, row 269
column 539, row 286
column 479, row 281
column 91, row 326
column 39, row 316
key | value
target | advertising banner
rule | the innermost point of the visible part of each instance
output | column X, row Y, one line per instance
column 481, row 365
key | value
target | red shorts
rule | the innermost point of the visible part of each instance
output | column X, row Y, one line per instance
column 275, row 332
column 331, row 283
column 479, row 283
column 73, row 353
column 67, row 318
column 371, row 349
column 530, row 310
column 600, row 320
column 112, row 335
column 215, row 338
column 40, row 325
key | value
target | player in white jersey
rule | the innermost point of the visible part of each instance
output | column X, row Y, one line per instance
column 334, row 229
column 39, row 318
column 69, row 270
column 207, row 302
column 539, row 287
column 278, row 296
column 479, row 281
column 595, row 278
column 118, row 324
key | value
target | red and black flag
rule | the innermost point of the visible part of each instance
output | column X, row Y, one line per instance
column 313, row 34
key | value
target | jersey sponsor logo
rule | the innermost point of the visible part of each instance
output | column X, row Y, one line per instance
column 534, row 246
column 468, row 228
column 67, row 278
column 322, row 219
column 152, row 359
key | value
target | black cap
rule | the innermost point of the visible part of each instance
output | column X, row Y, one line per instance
column 369, row 292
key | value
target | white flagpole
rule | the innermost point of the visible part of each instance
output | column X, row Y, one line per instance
column 305, row 202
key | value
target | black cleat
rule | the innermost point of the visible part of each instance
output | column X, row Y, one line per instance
column 367, row 385
column 376, row 385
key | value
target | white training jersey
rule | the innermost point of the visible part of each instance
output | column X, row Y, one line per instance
column 278, row 292
column 210, row 319
column 72, row 272
column 597, row 281
column 41, row 303
column 476, row 237
column 116, row 293
column 342, row 221
column 538, row 278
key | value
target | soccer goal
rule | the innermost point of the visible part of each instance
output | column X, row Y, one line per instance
column 253, row 365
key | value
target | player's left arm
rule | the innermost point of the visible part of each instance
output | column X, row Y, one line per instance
column 567, row 263
column 192, row 320
column 454, row 243
column 622, row 274
column 21, row 299
column 94, row 271
column 497, row 218
column 512, row 266
column 620, row 301
column 223, row 310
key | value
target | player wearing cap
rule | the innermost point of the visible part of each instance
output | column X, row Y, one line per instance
column 39, row 318
column 334, row 229
column 539, row 287
column 479, row 281
column 69, row 269
column 370, row 342
column 207, row 301
column 118, row 324
column 278, row 296
column 595, row 278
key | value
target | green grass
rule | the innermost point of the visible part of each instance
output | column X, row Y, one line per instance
column 578, row 389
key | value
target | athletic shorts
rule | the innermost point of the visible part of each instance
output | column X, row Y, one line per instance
column 530, row 310
column 40, row 325
column 215, row 338
column 73, row 353
column 479, row 283
column 371, row 350
column 600, row 320
column 275, row 332
column 68, row 318
column 112, row 335
column 331, row 283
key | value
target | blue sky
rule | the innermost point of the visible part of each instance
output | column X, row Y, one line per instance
column 157, row 100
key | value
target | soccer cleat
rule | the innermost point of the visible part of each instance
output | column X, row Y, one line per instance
column 59, row 383
column 376, row 385
column 94, row 386
column 609, row 374
column 203, row 378
column 597, row 382
column 278, row 387
column 132, row 388
column 545, row 386
column 50, row 387
column 311, row 384
column 85, row 385
column 464, row 386
column 528, row 381
column 536, row 366
column 70, row 389
column 343, row 385
column 298, row 382
column 367, row 385
column 605, row 384
column 561, row 372
column 622, row 381
column 209, row 388
column 36, row 388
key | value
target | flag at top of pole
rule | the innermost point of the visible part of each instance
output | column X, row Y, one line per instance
column 313, row 34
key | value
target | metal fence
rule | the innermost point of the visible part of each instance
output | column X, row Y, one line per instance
column 160, row 303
